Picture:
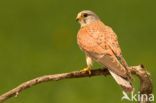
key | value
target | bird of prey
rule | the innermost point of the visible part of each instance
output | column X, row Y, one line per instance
column 99, row 43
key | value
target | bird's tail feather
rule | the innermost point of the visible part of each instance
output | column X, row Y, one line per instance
column 125, row 84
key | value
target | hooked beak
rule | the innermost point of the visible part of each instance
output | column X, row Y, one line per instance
column 78, row 18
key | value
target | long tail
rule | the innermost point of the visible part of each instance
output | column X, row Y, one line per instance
column 125, row 84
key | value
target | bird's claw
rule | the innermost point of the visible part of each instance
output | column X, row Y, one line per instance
column 87, row 69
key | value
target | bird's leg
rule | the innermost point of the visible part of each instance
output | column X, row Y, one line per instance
column 89, row 65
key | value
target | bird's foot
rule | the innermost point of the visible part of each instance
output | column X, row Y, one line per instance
column 88, row 70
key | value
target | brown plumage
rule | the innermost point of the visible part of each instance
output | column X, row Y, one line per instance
column 100, row 44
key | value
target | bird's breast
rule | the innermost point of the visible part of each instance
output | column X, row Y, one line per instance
column 89, row 39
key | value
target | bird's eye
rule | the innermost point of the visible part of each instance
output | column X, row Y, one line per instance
column 85, row 15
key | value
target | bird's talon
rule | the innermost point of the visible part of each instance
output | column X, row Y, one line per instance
column 87, row 70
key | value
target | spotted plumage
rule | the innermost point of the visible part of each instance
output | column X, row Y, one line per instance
column 100, row 43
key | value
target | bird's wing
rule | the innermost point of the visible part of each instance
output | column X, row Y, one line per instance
column 112, row 40
column 113, row 44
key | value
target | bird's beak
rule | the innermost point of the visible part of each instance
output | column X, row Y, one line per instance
column 78, row 18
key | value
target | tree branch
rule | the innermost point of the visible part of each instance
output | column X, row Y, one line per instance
column 145, row 81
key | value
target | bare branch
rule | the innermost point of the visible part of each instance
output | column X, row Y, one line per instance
column 145, row 81
column 146, row 84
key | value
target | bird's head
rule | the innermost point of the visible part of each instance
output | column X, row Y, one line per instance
column 86, row 17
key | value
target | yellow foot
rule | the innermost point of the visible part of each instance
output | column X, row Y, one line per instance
column 87, row 69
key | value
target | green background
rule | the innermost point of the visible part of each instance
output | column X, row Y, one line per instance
column 38, row 37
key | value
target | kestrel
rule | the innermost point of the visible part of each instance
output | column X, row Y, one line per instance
column 99, row 43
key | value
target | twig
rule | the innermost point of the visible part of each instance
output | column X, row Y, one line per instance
column 146, row 84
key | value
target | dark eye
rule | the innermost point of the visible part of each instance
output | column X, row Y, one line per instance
column 85, row 15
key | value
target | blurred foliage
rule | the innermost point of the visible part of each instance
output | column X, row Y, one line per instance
column 38, row 37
